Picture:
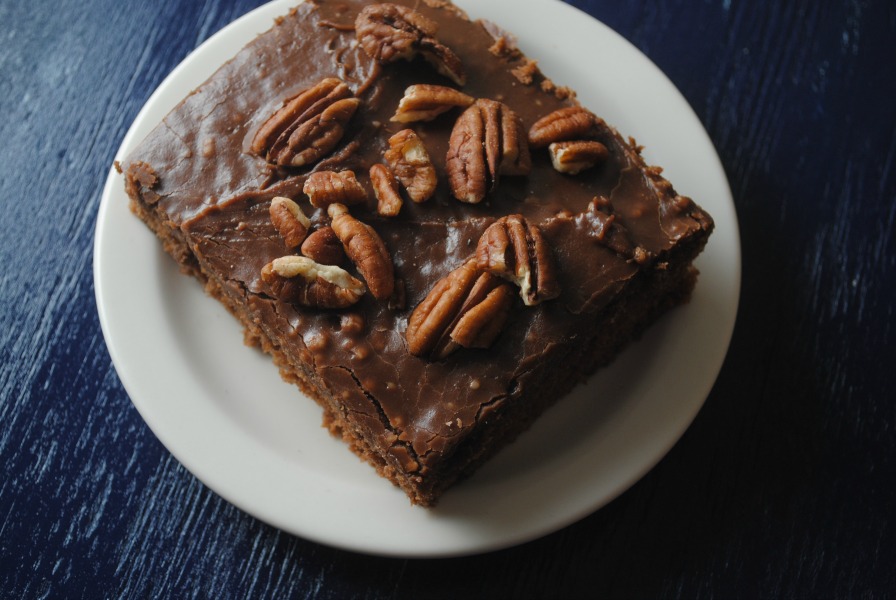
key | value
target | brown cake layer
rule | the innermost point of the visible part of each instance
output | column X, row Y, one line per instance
column 424, row 423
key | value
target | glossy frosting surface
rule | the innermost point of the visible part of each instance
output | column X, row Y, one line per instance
column 218, row 193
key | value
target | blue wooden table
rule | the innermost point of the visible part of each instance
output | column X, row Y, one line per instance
column 785, row 485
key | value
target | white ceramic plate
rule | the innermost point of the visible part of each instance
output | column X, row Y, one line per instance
column 223, row 411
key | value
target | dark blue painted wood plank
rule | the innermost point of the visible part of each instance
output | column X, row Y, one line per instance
column 783, row 487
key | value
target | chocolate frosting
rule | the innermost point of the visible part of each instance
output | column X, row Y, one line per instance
column 217, row 192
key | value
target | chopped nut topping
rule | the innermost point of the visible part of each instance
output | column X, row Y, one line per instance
column 514, row 248
column 424, row 102
column 326, row 187
column 308, row 126
column 575, row 157
column 488, row 140
column 324, row 247
column 388, row 32
column 300, row 280
column 411, row 164
column 289, row 220
column 366, row 250
column 467, row 308
column 563, row 125
column 385, row 188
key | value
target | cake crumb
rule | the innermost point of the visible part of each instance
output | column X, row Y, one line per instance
column 564, row 93
column 525, row 73
column 505, row 45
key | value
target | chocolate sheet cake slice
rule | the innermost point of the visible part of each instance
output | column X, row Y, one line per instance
column 433, row 240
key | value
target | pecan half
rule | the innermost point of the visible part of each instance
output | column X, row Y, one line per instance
column 324, row 247
column 366, row 250
column 326, row 187
column 514, row 248
column 563, row 125
column 388, row 32
column 300, row 280
column 488, row 140
column 467, row 308
column 574, row 157
column 424, row 102
column 411, row 164
column 385, row 188
column 289, row 220
column 307, row 126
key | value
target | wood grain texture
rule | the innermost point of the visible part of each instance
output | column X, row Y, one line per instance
column 785, row 485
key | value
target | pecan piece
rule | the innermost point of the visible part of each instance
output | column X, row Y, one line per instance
column 366, row 250
column 563, row 125
column 465, row 163
column 488, row 140
column 388, row 32
column 603, row 227
column 326, row 187
column 300, row 280
column 307, row 126
column 385, row 188
column 443, row 58
column 467, row 308
column 411, row 164
column 323, row 247
column 424, row 102
column 514, row 248
column 289, row 220
column 575, row 157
